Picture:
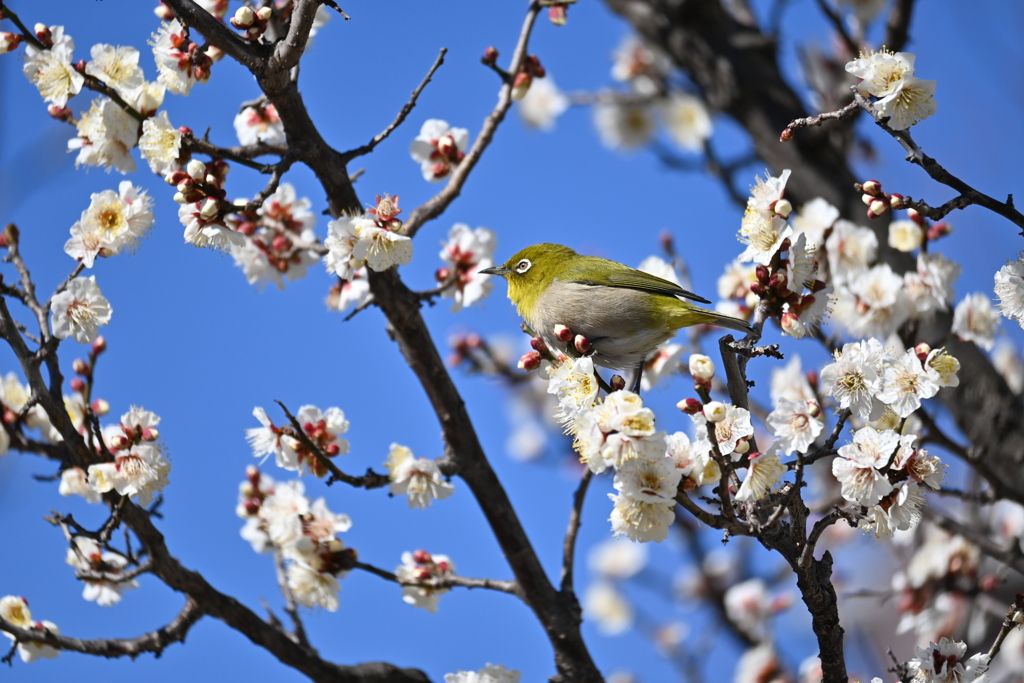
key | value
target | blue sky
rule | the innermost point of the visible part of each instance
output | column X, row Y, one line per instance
column 191, row 341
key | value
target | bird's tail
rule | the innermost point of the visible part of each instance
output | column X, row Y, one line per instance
column 694, row 315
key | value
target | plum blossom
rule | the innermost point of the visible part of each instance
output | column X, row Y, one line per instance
column 80, row 310
column 141, row 472
column 114, row 222
column 617, row 558
column 850, row 249
column 259, row 123
column 51, row 70
column 608, row 608
column 543, row 104
column 75, row 481
column 160, row 144
column 439, row 149
column 624, row 126
column 118, row 67
column 944, row 662
column 1010, row 290
column 976, row 320
column 687, row 121
column 857, row 468
column 358, row 241
column 813, row 219
column 576, row 387
column 763, row 473
column 492, row 673
column 645, row 500
column 467, row 252
column 87, row 556
column 795, row 425
column 204, row 226
column 889, row 77
column 352, row 292
column 106, row 136
column 179, row 61
column 619, row 428
column 423, row 566
column 693, row 460
column 905, row 383
column 874, row 303
column 418, row 478
column 270, row 440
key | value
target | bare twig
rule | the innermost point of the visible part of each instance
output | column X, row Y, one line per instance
column 812, row 121
column 402, row 114
column 569, row 544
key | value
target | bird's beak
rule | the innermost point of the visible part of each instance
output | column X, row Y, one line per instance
column 495, row 270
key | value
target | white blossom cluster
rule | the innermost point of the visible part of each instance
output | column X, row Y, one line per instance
column 323, row 428
column 889, row 77
column 14, row 610
column 423, row 566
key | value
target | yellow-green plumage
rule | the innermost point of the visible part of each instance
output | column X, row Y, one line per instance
column 624, row 313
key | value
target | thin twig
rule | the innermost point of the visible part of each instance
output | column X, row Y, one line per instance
column 569, row 544
column 290, row 607
column 441, row 582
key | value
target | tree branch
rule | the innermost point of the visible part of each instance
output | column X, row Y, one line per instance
column 569, row 544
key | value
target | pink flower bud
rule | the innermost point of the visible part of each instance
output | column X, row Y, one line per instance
column 81, row 367
column 872, row 187
column 742, row 446
column 913, row 215
column 690, row 406
column 813, row 408
column 867, row 199
column 715, row 411
column 119, row 442
column 196, row 170
column 421, row 557
column 558, row 14
column 939, row 229
column 150, row 434
column 896, row 201
column 877, row 207
column 280, row 243
column 443, row 567
column 789, row 321
column 263, row 13
column 252, row 473
column 762, row 274
column 538, row 345
column 563, row 333
column 244, row 18
column 100, row 406
column 921, row 351
column 783, row 208
column 164, row 12
column 521, row 85
column 442, row 274
column 529, row 361
column 43, row 34
column 617, row 383
column 58, row 113
column 582, row 344
column 473, row 341
column 440, row 169
column 490, row 56
column 77, row 385
column 786, row 136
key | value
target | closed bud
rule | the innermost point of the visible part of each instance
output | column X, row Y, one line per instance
column 922, row 350
column 99, row 345
column 252, row 473
column 209, row 208
column 877, row 207
column 786, row 136
column 896, row 201
column 529, row 361
column 762, row 273
column 263, row 13
column 742, row 446
column 813, row 408
column 715, row 411
column 563, row 333
column 186, row 185
column 81, row 367
column 42, row 32
column 197, row 170
column 913, row 215
column 538, row 345
column 939, row 229
column 442, row 274
column 100, row 407
column 867, row 199
column 790, row 322
column 690, row 406
column 119, row 442
column 783, row 208
column 77, row 385
column 421, row 557
column 164, row 12
column 447, row 147
column 558, row 14
column 521, row 85
column 180, row 198
column 244, row 17
column 150, row 434
column 618, row 383
column 59, row 113
column 778, row 280
column 582, row 344
column 872, row 187
column 701, row 367
column 490, row 56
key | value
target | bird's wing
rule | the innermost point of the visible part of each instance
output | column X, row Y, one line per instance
column 629, row 278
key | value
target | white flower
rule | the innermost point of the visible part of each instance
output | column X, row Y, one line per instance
column 90, row 558
column 687, row 121
column 643, row 507
column 850, row 249
column 439, row 148
column 79, row 310
column 748, row 605
column 914, row 102
column 543, row 103
column 734, row 425
column 259, row 124
column 874, row 304
column 607, row 608
column 624, row 126
column 312, row 588
column 118, row 67
column 801, row 266
column 944, row 662
column 930, row 287
column 113, row 222
column 763, row 234
column 767, row 192
column 282, row 513
column 380, row 248
column 657, row 266
column 942, row 368
column 905, row 236
column 51, row 71
column 1010, row 290
column 693, row 460
column 920, row 464
column 420, row 566
column 14, row 609
column 140, row 472
column 268, row 440
column 342, row 237
column 492, row 673
column 418, row 478
column 763, row 474
column 757, row 665
column 900, row 510
column 813, row 219
column 617, row 558
column 976, row 320
column 466, row 252
column 205, row 232
column 575, row 385
column 857, row 468
column 793, row 423
column 351, row 292
column 106, row 136
column 640, row 64
column 665, row 362
column 31, row 651
column 75, row 481
column 174, row 65
column 790, row 382
column 616, row 430
column 905, row 383
column 1007, row 362
column 890, row 78
column 160, row 143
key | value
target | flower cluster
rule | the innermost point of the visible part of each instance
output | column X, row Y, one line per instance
column 277, row 238
column 422, row 566
column 89, row 557
column 466, row 252
column 180, row 62
column 375, row 242
column 418, row 478
column 14, row 610
column 259, row 122
column 200, row 191
column 899, row 95
column 944, row 662
column 439, row 149
column 280, row 517
column 321, row 428
column 139, row 468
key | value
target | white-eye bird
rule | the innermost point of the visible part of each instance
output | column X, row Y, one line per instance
column 624, row 313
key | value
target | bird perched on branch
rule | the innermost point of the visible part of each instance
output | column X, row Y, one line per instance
column 622, row 313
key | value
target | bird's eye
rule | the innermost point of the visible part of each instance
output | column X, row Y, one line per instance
column 523, row 266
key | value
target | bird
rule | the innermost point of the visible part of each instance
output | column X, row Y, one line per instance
column 624, row 313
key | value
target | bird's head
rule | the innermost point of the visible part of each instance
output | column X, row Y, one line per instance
column 531, row 271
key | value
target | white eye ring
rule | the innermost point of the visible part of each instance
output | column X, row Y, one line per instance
column 523, row 266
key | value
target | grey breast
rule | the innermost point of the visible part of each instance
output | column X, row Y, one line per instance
column 612, row 318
